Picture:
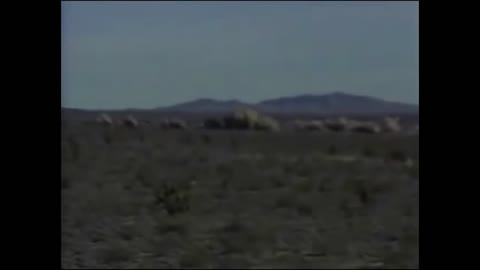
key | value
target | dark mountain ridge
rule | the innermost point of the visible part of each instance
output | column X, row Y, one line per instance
column 301, row 106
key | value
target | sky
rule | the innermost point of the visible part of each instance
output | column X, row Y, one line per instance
column 118, row 55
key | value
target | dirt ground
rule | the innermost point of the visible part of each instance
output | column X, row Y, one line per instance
column 150, row 198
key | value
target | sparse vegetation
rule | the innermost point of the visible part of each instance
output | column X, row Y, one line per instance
column 304, row 208
column 206, row 139
column 267, row 123
column 175, row 199
column 233, row 198
column 304, row 185
column 74, row 148
column 195, row 257
column 211, row 123
column 398, row 155
column 332, row 150
column 277, row 181
column 115, row 253
column 224, row 169
column 108, row 136
column 285, row 200
column 65, row 183
column 171, row 225
column 369, row 153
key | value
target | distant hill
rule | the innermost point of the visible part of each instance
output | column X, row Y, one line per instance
column 333, row 103
column 302, row 106
column 206, row 105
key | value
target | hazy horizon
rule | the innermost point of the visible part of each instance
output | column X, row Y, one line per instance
column 118, row 55
column 229, row 100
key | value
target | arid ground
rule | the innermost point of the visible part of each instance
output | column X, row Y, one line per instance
column 153, row 198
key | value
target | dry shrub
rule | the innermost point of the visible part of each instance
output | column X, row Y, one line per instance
column 267, row 123
column 241, row 119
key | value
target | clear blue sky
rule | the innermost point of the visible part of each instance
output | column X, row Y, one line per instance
column 149, row 54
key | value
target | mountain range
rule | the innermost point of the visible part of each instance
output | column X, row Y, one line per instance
column 333, row 103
